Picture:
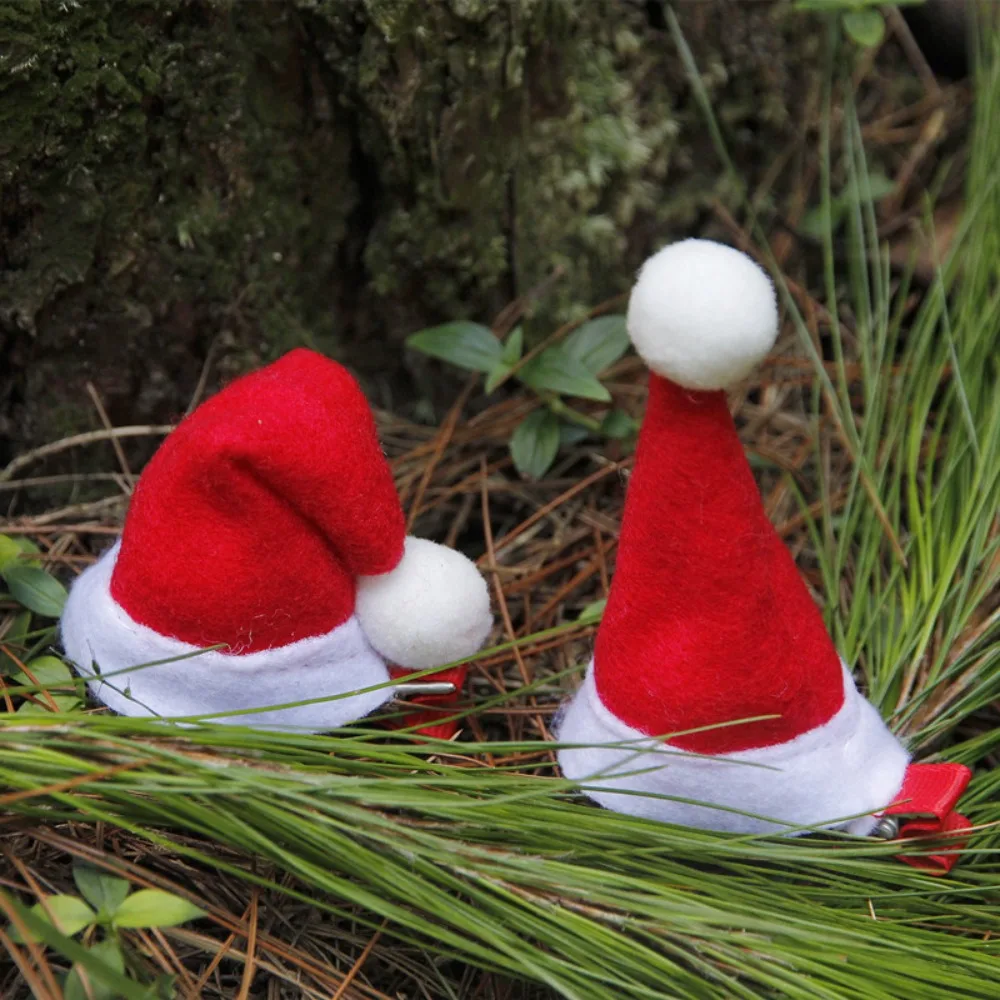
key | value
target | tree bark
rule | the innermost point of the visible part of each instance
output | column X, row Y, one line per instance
column 201, row 185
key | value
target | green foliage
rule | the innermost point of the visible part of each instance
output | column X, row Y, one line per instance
column 98, row 971
column 861, row 20
column 31, row 586
column 87, row 984
column 592, row 613
column 866, row 26
column 44, row 682
column 17, row 550
column 598, row 343
column 535, row 443
column 556, row 370
column 570, row 368
column 69, row 914
column 513, row 348
column 155, row 908
column 14, row 636
column 35, row 589
column 467, row 345
column 104, row 892
column 52, row 684
column 876, row 187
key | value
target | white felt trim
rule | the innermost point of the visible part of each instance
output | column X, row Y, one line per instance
column 849, row 766
column 95, row 627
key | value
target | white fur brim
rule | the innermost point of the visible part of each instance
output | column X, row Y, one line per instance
column 341, row 663
column 851, row 766
column 432, row 609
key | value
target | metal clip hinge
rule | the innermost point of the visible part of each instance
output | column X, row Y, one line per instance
column 423, row 687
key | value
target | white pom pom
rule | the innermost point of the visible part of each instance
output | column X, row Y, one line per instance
column 432, row 609
column 702, row 314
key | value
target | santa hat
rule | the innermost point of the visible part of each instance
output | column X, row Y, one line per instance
column 710, row 638
column 264, row 561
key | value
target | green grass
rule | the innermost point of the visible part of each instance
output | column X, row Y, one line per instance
column 510, row 871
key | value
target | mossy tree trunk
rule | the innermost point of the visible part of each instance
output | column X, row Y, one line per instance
column 256, row 175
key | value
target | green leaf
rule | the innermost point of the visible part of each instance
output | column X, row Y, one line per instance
column 812, row 221
column 164, row 987
column 10, row 551
column 48, row 671
column 44, row 706
column 494, row 377
column 555, row 370
column 509, row 357
column 535, row 444
column 618, row 424
column 30, row 549
column 72, row 988
column 37, row 590
column 18, row 630
column 13, row 551
column 52, row 674
column 592, row 613
column 878, row 186
column 599, row 343
column 837, row 6
column 467, row 345
column 865, row 26
column 513, row 347
column 69, row 913
column 104, row 892
column 571, row 434
column 73, row 950
column 109, row 952
column 155, row 908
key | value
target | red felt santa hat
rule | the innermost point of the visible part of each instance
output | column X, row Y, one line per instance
column 708, row 624
column 268, row 525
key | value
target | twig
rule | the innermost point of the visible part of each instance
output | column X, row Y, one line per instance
column 594, row 477
column 441, row 442
column 491, row 558
column 362, row 958
column 67, row 478
column 77, row 440
column 514, row 310
column 80, row 510
column 199, row 389
column 913, row 51
column 249, row 967
column 199, row 986
column 115, row 442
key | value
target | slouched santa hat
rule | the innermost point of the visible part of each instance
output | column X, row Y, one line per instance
column 264, row 561
column 715, row 697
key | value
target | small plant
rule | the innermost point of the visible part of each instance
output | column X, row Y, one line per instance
column 29, row 584
column 861, row 20
column 45, row 681
column 569, row 368
column 104, row 908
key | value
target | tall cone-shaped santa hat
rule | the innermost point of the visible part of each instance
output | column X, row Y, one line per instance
column 710, row 637
column 264, row 561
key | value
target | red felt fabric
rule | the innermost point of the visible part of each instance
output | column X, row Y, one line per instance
column 708, row 620
column 254, row 518
column 930, row 790
column 928, row 799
